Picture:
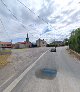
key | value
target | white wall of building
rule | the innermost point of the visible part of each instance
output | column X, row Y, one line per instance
column 41, row 43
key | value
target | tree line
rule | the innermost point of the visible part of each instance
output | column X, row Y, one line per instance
column 74, row 40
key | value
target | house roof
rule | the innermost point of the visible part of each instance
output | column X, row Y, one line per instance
column 23, row 42
column 5, row 43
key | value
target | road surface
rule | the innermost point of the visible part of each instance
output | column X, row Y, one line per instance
column 67, row 78
column 19, row 60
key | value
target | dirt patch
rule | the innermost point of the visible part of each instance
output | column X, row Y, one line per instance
column 5, row 52
column 4, row 55
column 73, row 54
column 4, row 60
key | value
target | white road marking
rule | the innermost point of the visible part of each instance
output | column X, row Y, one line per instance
column 18, row 79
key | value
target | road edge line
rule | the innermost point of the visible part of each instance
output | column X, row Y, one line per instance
column 19, row 78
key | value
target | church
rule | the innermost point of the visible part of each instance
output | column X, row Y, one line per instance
column 25, row 44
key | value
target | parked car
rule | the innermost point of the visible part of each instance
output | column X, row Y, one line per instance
column 53, row 49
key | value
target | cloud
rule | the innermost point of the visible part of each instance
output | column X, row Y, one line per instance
column 46, row 10
column 27, row 16
column 47, row 30
column 52, row 19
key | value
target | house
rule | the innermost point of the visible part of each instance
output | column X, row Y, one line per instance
column 22, row 45
column 25, row 44
column 5, row 45
column 41, row 43
column 58, row 43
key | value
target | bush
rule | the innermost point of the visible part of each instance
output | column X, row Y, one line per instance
column 74, row 41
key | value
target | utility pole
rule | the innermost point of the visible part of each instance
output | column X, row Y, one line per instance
column 11, row 43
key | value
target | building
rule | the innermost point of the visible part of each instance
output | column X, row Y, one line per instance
column 25, row 44
column 22, row 45
column 5, row 45
column 58, row 43
column 27, row 39
column 41, row 43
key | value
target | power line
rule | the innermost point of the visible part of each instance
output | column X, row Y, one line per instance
column 13, row 14
column 23, row 25
column 25, row 7
column 8, row 9
column 37, row 16
column 35, row 13
column 31, row 11
column 4, row 28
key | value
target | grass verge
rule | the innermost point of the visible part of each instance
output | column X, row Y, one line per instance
column 4, row 55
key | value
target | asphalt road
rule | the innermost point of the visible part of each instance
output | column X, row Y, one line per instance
column 19, row 60
column 67, row 78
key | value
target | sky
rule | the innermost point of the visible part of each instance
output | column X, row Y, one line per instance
column 45, row 19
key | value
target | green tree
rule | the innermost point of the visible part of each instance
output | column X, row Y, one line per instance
column 66, row 40
column 74, row 40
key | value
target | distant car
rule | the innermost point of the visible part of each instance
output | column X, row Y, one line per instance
column 53, row 49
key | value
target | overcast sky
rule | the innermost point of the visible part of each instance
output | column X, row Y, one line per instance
column 46, row 19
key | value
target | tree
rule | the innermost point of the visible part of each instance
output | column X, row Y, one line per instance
column 66, row 40
column 74, row 40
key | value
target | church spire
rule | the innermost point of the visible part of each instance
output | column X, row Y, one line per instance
column 27, row 39
column 27, row 35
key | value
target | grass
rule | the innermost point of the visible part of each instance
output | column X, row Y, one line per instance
column 3, row 60
column 3, row 52
column 4, row 55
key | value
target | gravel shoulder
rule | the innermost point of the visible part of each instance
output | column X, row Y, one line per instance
column 74, row 54
column 19, row 60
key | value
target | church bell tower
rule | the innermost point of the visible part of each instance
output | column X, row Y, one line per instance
column 27, row 39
